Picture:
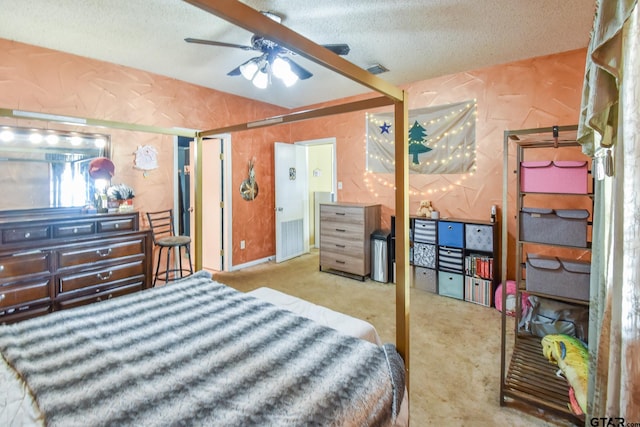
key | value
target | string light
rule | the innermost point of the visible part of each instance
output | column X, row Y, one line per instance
column 434, row 142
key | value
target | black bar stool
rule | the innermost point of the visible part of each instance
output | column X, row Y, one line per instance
column 161, row 224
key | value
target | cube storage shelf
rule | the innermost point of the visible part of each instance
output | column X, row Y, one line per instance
column 457, row 258
column 563, row 235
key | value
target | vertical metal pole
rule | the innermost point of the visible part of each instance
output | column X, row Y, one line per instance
column 197, row 182
column 402, row 230
column 504, row 251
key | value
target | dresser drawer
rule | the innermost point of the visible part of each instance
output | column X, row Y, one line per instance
column 23, row 265
column 74, row 229
column 26, row 234
column 88, row 254
column 450, row 285
column 341, row 245
column 478, row 237
column 23, row 313
column 345, row 231
column 341, row 262
column 25, row 293
column 103, row 295
column 450, row 259
column 450, row 234
column 342, row 213
column 120, row 224
column 424, row 231
column 97, row 280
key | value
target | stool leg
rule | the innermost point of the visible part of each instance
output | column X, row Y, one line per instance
column 189, row 257
column 155, row 277
column 166, row 280
column 179, row 249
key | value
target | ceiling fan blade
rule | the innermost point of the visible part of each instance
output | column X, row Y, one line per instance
column 339, row 49
column 297, row 70
column 234, row 72
column 214, row 43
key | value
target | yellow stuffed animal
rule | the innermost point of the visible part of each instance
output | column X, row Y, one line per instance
column 425, row 208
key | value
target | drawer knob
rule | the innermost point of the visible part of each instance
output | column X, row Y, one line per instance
column 1, row 267
column 27, row 235
column 75, row 230
column 450, row 227
column 341, row 213
column 340, row 246
column 102, row 277
column 117, row 225
column 340, row 262
column 103, row 253
column 340, row 230
column 478, row 230
column 2, row 297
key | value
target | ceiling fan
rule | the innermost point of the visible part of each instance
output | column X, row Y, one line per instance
column 273, row 60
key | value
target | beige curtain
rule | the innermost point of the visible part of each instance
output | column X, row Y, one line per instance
column 610, row 131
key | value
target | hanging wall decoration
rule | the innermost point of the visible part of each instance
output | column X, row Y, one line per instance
column 146, row 158
column 441, row 140
column 249, row 187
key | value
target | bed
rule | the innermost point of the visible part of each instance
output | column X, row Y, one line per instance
column 195, row 352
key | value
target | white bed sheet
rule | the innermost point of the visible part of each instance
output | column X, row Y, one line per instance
column 341, row 322
column 17, row 406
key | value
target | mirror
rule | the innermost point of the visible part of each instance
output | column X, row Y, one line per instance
column 45, row 168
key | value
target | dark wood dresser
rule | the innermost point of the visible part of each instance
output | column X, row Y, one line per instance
column 54, row 259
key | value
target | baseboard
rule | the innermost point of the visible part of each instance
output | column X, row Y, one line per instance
column 252, row 263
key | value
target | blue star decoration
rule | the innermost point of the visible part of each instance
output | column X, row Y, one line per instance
column 384, row 128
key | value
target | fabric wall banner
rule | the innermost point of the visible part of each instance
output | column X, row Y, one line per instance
column 442, row 140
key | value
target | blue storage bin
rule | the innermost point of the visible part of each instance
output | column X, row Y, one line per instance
column 451, row 234
column 450, row 284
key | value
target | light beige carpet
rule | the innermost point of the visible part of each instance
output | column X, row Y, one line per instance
column 454, row 345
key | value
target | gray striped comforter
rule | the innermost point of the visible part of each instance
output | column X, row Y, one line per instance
column 197, row 352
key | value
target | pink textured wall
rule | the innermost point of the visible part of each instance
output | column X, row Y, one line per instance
column 42, row 80
column 532, row 93
column 536, row 92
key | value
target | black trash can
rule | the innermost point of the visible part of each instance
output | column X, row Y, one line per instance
column 380, row 256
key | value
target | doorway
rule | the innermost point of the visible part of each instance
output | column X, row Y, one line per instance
column 216, row 222
column 322, row 179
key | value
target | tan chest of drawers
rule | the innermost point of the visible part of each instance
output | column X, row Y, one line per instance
column 345, row 243
column 52, row 262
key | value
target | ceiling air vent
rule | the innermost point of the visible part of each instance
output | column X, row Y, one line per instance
column 377, row 69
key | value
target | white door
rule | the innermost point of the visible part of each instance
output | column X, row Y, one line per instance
column 292, row 199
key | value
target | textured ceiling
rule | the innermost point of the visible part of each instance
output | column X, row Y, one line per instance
column 414, row 39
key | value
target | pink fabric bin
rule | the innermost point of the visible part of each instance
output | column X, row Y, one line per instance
column 567, row 176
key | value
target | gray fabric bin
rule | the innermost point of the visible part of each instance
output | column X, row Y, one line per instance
column 554, row 226
column 558, row 277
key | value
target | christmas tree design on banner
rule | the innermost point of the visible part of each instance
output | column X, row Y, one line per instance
column 417, row 137
column 441, row 140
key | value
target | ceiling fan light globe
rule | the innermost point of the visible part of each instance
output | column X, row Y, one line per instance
column 289, row 79
column 280, row 68
column 261, row 80
column 249, row 69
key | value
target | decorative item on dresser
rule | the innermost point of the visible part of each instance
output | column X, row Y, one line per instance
column 53, row 259
column 345, row 237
